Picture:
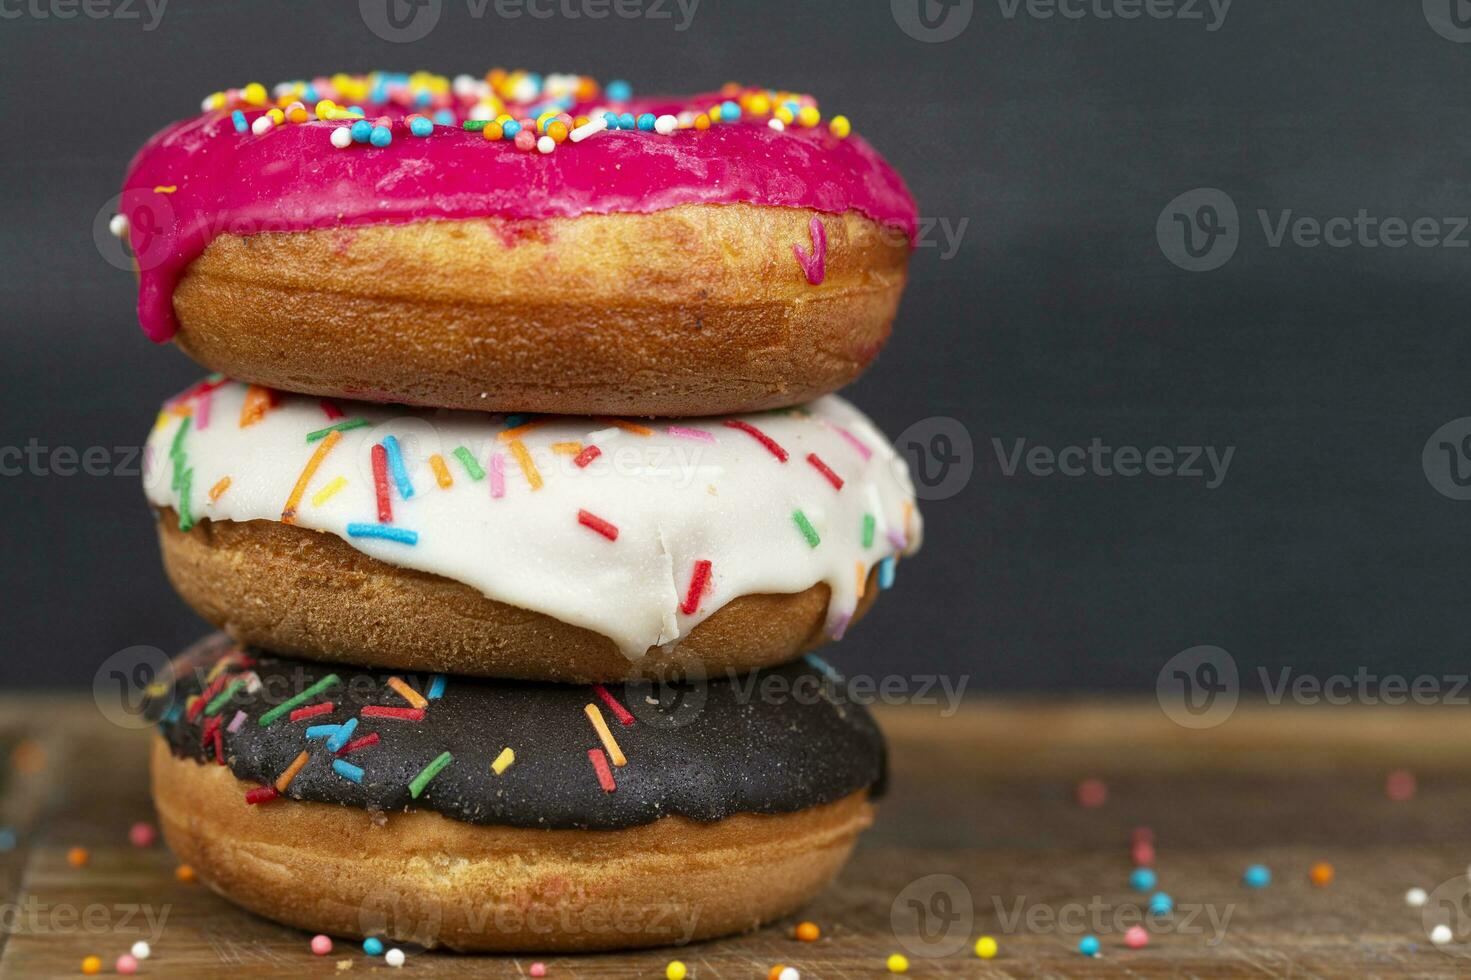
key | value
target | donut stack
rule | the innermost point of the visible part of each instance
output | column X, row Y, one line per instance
column 521, row 496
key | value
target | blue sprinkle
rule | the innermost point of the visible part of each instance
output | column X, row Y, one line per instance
column 347, row 770
column 401, row 535
column 626, row 121
column 7, row 839
column 362, row 131
column 238, row 118
column 309, row 94
column 421, row 126
column 646, row 122
column 373, row 946
column 513, row 421
column 381, row 136
column 444, row 117
column 172, row 714
column 1257, row 876
column 357, row 109
column 1143, row 880
column 396, row 465
column 1089, row 945
column 424, row 97
column 436, row 688
column 619, row 91
column 344, row 732
column 886, row 572
column 322, row 731
column 823, row 666
column 729, row 111
column 1161, row 904
column 611, row 118
column 510, row 129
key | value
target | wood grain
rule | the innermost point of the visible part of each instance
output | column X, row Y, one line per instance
column 985, row 795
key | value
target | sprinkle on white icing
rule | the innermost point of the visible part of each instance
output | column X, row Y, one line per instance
column 674, row 501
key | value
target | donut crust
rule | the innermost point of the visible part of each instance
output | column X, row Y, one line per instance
column 420, row 877
column 311, row 594
column 701, row 309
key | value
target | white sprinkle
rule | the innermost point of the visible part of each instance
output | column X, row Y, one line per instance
column 395, row 957
column 141, row 950
column 1441, row 934
column 686, row 119
column 482, row 111
column 790, row 973
column 464, row 86
column 665, row 125
column 1416, row 898
column 342, row 137
column 282, row 88
column 546, row 144
column 118, row 225
column 205, row 106
column 594, row 126
column 262, row 125
column 602, row 435
column 776, row 124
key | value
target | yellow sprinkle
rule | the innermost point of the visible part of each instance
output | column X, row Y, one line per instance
column 288, row 513
column 218, row 489
column 503, row 761
column 165, row 188
column 413, row 697
column 567, row 448
column 528, row 465
column 676, row 971
column 328, row 492
column 840, row 127
column 808, row 116
column 862, row 578
column 611, row 744
column 441, row 472
column 898, row 963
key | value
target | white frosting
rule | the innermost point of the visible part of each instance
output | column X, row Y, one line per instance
column 704, row 491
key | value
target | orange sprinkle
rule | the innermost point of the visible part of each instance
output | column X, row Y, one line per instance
column 1321, row 874
column 410, row 695
column 808, row 932
column 908, row 513
column 511, row 435
column 92, row 965
column 28, row 757
column 862, row 578
column 77, row 857
column 184, row 872
column 611, row 744
column 288, row 513
column 528, row 465
column 441, row 472
column 284, row 780
column 258, row 401
column 567, row 448
column 775, row 972
column 218, row 489
column 627, row 426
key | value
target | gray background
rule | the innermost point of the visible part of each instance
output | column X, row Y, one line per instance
column 1059, row 142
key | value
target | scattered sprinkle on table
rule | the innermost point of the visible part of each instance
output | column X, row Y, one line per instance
column 676, row 970
column 897, row 963
column 808, row 932
column 1416, row 898
column 1143, row 880
column 986, row 948
column 394, row 957
column 77, row 857
column 373, row 946
column 1091, row 793
column 321, row 945
column 538, row 969
column 92, row 965
column 1136, row 937
column 126, row 965
column 141, row 950
column 1441, row 934
column 184, row 873
column 142, row 834
column 1089, row 946
column 1257, row 876
column 1321, row 874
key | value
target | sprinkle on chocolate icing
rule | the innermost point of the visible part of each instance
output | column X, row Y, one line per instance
column 776, row 741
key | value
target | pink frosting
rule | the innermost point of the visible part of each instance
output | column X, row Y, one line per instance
column 293, row 179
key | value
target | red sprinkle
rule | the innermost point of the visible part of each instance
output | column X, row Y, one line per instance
column 206, row 695
column 358, row 743
column 219, row 739
column 210, row 725
column 312, row 710
column 380, row 484
column 600, row 764
column 759, row 436
column 261, row 794
column 588, row 454
column 698, row 581
column 619, row 712
column 383, row 711
column 599, row 525
column 330, row 408
column 825, row 470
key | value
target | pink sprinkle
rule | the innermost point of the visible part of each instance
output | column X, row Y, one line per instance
column 142, row 834
column 1136, row 937
column 814, row 264
column 840, row 625
column 321, row 945
column 683, row 433
column 236, row 722
column 1143, row 853
column 497, row 476
column 853, row 440
column 1092, row 793
column 896, row 539
column 538, row 969
column 1400, row 785
column 201, row 410
column 126, row 964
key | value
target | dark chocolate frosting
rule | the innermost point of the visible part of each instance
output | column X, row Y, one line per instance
column 776, row 741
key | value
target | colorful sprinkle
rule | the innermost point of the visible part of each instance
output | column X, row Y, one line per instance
column 344, row 732
column 367, row 741
column 284, row 780
column 441, row 472
column 329, row 409
column 467, row 460
column 403, row 690
column 528, row 466
column 825, row 470
column 236, row 722
column 1257, row 876
column 298, row 700
column 380, row 484
column 759, row 436
column 329, row 491
column 315, row 732
column 399, row 714
column 619, row 712
column 600, row 766
column 216, row 491
column 682, row 432
column 258, row 401
column 399, row 534
column 311, row 711
column 596, row 523
column 347, row 770
column 586, row 456
column 436, row 687
column 604, row 735
column 503, row 761
column 397, row 468
column 699, row 578
column 497, row 476
column 805, row 526
column 417, row 784
column 346, row 425
column 887, row 568
column 288, row 513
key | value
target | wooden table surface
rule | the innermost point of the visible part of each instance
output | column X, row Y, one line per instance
column 985, row 796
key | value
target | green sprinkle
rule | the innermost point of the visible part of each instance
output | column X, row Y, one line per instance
column 805, row 526
column 176, row 448
column 417, row 784
column 342, row 426
column 186, row 484
column 868, row 530
column 473, row 468
column 475, row 125
column 223, row 698
column 301, row 698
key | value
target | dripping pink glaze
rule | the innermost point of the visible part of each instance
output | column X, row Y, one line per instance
column 293, row 179
column 814, row 264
